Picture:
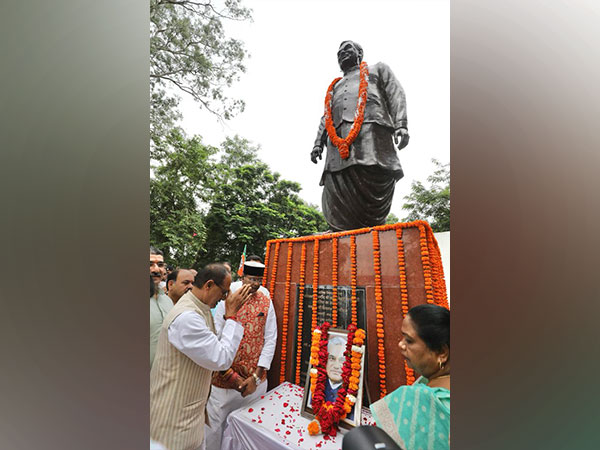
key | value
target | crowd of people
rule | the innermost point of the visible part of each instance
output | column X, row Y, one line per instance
column 212, row 342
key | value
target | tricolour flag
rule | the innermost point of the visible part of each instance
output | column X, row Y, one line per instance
column 240, row 271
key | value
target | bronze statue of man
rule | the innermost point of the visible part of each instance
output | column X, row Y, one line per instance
column 365, row 117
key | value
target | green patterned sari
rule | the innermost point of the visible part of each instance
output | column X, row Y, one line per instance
column 416, row 417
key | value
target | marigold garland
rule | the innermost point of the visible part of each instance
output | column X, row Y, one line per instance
column 432, row 269
column 300, row 309
column 410, row 374
column 274, row 274
column 343, row 145
column 379, row 314
column 426, row 264
column 286, row 307
column 328, row 414
column 353, row 278
column 315, row 284
column 334, row 279
column 264, row 281
column 437, row 272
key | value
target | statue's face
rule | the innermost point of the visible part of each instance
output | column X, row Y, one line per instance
column 347, row 55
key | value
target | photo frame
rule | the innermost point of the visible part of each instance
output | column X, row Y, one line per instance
column 336, row 336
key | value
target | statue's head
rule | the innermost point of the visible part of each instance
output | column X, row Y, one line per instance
column 350, row 54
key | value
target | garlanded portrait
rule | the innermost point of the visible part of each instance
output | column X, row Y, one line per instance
column 333, row 391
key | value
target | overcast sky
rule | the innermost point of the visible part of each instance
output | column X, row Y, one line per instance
column 293, row 46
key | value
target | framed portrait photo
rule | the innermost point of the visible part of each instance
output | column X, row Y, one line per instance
column 336, row 346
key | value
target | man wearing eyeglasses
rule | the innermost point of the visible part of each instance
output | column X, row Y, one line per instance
column 245, row 381
column 188, row 352
column 160, row 303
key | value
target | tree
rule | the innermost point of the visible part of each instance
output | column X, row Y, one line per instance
column 431, row 204
column 255, row 206
column 392, row 218
column 206, row 203
column 179, row 188
column 190, row 53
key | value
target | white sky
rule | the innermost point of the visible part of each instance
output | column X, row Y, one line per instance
column 293, row 46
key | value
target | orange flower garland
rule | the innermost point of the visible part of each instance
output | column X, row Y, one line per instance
column 315, row 284
column 343, row 145
column 410, row 374
column 264, row 281
column 334, row 280
column 426, row 264
column 353, row 277
column 437, row 272
column 432, row 270
column 286, row 307
column 274, row 274
column 379, row 311
column 300, row 309
column 328, row 414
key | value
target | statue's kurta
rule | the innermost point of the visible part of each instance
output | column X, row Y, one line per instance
column 358, row 191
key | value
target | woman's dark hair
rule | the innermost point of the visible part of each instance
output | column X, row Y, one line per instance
column 432, row 323
column 152, row 287
column 215, row 271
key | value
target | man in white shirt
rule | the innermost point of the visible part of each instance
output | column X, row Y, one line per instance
column 188, row 352
column 245, row 381
column 160, row 303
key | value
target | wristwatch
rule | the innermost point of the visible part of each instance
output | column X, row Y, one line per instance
column 257, row 380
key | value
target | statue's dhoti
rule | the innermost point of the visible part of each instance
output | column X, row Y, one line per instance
column 358, row 191
column 357, row 197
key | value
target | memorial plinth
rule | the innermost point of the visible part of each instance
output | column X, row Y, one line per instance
column 370, row 276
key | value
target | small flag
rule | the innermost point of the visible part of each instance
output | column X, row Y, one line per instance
column 240, row 271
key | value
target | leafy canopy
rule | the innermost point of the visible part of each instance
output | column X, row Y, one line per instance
column 432, row 203
column 190, row 53
column 207, row 203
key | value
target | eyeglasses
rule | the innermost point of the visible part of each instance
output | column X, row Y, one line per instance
column 224, row 292
column 253, row 279
column 160, row 264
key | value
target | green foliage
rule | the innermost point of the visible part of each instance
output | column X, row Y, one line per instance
column 391, row 218
column 180, row 185
column 254, row 206
column 433, row 203
column 190, row 53
column 206, row 203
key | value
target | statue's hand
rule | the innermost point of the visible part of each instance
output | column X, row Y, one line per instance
column 402, row 134
column 316, row 153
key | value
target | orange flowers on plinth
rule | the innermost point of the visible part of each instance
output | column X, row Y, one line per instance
column 286, row 309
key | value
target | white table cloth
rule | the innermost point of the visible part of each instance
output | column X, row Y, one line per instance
column 273, row 422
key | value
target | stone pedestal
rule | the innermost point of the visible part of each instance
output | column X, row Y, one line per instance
column 410, row 273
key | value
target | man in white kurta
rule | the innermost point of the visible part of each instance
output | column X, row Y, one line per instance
column 252, row 360
column 188, row 352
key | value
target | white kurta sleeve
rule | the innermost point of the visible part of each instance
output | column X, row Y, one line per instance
column 218, row 317
column 266, row 356
column 189, row 334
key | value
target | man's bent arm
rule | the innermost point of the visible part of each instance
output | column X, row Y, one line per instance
column 189, row 334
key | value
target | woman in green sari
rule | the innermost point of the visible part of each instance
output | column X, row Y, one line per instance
column 418, row 416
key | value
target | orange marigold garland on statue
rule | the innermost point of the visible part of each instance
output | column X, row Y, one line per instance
column 286, row 308
column 334, row 279
column 426, row 264
column 300, row 308
column 315, row 284
column 379, row 311
column 410, row 374
column 353, row 277
column 274, row 274
column 343, row 145
column 328, row 414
